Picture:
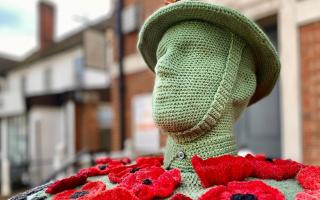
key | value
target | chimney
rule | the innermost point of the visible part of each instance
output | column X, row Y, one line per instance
column 46, row 24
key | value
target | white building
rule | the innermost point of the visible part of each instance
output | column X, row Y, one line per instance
column 53, row 101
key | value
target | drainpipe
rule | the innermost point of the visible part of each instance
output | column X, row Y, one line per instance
column 5, row 164
column 121, row 81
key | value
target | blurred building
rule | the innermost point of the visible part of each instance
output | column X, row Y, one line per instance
column 61, row 99
column 284, row 124
column 55, row 102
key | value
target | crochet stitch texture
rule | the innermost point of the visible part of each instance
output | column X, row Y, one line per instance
column 205, row 77
column 210, row 63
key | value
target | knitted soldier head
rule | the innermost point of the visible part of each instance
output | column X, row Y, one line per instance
column 210, row 63
column 205, row 77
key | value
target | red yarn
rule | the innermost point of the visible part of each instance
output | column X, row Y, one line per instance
column 308, row 195
column 66, row 183
column 98, row 170
column 118, row 193
column 180, row 197
column 152, row 182
column 277, row 169
column 104, row 166
column 108, row 160
column 87, row 191
column 221, row 170
column 243, row 190
column 155, row 160
column 117, row 174
column 309, row 178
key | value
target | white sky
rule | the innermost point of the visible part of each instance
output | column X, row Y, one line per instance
column 18, row 21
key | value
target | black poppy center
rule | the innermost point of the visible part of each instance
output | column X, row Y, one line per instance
column 147, row 181
column 40, row 198
column 79, row 194
column 243, row 197
column 134, row 170
column 102, row 167
column 269, row 159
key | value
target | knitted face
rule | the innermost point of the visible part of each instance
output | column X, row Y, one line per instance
column 191, row 63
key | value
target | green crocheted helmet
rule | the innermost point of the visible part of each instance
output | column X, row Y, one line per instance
column 266, row 58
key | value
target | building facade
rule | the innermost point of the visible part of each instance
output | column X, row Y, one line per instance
column 55, row 103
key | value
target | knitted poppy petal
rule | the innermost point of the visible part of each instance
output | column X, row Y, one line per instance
column 64, row 195
column 309, row 178
column 180, row 197
column 66, row 183
column 308, row 195
column 221, row 170
column 277, row 169
column 98, row 170
column 167, row 182
column 117, row 174
column 153, row 161
column 125, row 160
column 87, row 191
column 243, row 190
column 217, row 193
column 118, row 193
column 94, row 186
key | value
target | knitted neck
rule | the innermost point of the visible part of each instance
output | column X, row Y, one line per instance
column 218, row 141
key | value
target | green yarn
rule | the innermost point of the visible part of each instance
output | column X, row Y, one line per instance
column 205, row 77
column 266, row 58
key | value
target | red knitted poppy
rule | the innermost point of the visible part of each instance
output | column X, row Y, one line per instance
column 98, row 170
column 87, row 191
column 104, row 165
column 277, row 169
column 118, row 193
column 180, row 197
column 221, row 170
column 309, row 178
column 152, row 182
column 308, row 195
column 66, row 183
column 117, row 174
column 254, row 190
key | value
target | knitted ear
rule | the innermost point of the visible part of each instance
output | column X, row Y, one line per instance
column 245, row 83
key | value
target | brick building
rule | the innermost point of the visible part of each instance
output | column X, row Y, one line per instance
column 291, row 109
column 138, row 79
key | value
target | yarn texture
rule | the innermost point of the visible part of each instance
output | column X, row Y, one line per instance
column 210, row 64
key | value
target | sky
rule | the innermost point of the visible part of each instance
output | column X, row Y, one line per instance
column 18, row 22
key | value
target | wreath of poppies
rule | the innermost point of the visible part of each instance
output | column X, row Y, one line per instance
column 145, row 179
